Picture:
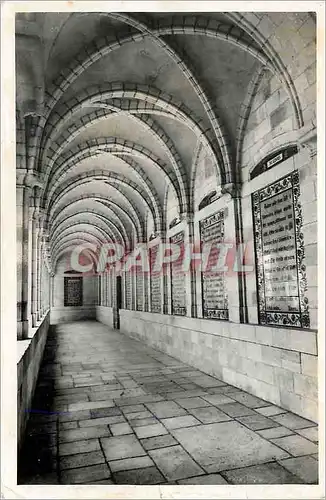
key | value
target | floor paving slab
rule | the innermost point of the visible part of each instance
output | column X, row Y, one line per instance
column 304, row 467
column 120, row 429
column 271, row 473
column 84, row 475
column 164, row 409
column 257, row 422
column 153, row 443
column 130, row 464
column 79, row 447
column 236, row 410
column 175, row 463
column 207, row 479
column 221, row 446
column 296, row 445
column 310, row 433
column 209, row 415
column 81, row 460
column 293, row 421
column 275, row 432
column 149, row 475
column 119, row 447
column 150, row 431
column 177, row 422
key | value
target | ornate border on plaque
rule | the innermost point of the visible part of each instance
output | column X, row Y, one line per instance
column 77, row 300
column 209, row 313
column 294, row 319
column 177, row 310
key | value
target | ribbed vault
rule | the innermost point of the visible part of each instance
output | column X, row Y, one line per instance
column 129, row 103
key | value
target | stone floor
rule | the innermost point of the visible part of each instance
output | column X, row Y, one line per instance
column 110, row 410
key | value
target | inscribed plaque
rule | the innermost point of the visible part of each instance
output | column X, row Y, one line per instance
column 73, row 291
column 279, row 249
column 215, row 299
column 178, row 281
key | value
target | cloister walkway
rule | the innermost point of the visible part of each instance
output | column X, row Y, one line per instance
column 111, row 410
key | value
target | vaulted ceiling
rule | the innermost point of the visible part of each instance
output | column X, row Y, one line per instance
column 120, row 104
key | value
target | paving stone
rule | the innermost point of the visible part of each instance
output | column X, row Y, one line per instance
column 143, row 421
column 120, row 429
column 310, row 433
column 83, row 475
column 269, row 411
column 271, row 473
column 150, row 431
column 158, row 442
column 257, row 422
column 101, row 481
column 90, row 405
column 188, row 403
column 105, row 412
column 249, row 400
column 130, row 463
column 175, row 463
column 236, row 410
column 187, row 394
column 296, row 445
column 68, row 425
column 81, row 460
column 150, row 475
column 275, row 432
column 183, row 421
column 218, row 399
column 138, row 400
column 79, row 447
column 104, row 396
column 217, row 447
column 306, row 468
column 84, row 433
column 209, row 415
column 119, row 447
column 102, row 421
column 133, row 408
column 77, row 415
column 138, row 415
column 206, row 381
column 207, row 479
column 293, row 421
column 166, row 409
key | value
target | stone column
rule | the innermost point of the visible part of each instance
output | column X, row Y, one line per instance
column 235, row 278
column 22, row 222
column 190, row 277
column 35, row 231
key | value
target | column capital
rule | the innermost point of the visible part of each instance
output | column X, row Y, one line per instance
column 28, row 179
column 308, row 140
column 233, row 189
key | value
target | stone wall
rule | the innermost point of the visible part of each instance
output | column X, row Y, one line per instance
column 105, row 315
column 276, row 364
column 30, row 353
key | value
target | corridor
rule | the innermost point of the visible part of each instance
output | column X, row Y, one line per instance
column 110, row 410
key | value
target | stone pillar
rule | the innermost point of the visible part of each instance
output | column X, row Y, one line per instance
column 22, row 222
column 190, row 277
column 35, row 230
column 235, row 277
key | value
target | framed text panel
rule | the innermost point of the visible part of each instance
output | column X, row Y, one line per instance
column 73, row 291
column 214, row 293
column 279, row 254
column 178, row 279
